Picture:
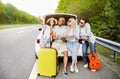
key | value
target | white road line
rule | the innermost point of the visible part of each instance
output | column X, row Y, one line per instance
column 33, row 74
column 20, row 32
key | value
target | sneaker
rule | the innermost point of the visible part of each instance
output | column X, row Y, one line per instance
column 76, row 69
column 93, row 70
column 65, row 73
column 86, row 65
column 71, row 69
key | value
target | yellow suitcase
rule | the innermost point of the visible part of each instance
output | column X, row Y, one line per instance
column 47, row 62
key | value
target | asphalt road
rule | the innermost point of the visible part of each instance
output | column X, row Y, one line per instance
column 17, row 52
column 17, row 58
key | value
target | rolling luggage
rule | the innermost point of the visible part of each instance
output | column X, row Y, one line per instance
column 47, row 62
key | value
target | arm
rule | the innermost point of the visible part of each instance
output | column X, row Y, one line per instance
column 55, row 37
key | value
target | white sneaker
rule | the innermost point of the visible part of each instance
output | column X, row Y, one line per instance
column 93, row 70
column 86, row 65
column 76, row 69
column 71, row 69
column 65, row 73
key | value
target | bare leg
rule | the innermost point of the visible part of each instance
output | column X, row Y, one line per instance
column 65, row 60
column 72, row 63
column 76, row 68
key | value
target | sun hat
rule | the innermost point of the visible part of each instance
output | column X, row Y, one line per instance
column 52, row 19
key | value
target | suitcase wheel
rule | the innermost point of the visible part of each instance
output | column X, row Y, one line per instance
column 38, row 74
column 36, row 56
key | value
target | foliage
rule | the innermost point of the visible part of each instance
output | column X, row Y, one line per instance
column 104, row 15
column 11, row 15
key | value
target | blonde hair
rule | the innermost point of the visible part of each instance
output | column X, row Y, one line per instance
column 72, row 25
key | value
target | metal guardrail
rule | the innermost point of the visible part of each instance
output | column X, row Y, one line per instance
column 109, row 44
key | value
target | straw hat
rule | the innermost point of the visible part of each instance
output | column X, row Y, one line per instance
column 52, row 19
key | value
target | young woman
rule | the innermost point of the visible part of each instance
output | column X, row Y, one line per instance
column 48, row 32
column 72, row 43
column 51, row 22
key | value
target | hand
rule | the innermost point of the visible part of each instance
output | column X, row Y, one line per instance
column 80, row 41
column 63, row 39
column 42, row 46
column 85, row 37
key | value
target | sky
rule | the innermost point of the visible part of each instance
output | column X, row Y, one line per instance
column 35, row 7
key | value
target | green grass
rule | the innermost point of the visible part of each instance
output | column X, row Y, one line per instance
column 2, row 26
column 107, row 53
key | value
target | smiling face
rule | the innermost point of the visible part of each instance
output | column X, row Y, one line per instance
column 52, row 23
column 61, row 21
column 82, row 23
column 69, row 22
column 72, row 23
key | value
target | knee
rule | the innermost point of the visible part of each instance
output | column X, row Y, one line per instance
column 65, row 53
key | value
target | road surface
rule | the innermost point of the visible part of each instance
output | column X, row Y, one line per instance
column 17, row 52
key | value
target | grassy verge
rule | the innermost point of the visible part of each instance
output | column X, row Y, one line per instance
column 107, row 57
column 13, row 26
column 108, row 53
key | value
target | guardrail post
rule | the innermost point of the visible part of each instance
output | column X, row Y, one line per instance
column 115, row 56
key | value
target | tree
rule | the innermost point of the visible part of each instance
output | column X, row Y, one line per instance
column 11, row 15
column 104, row 15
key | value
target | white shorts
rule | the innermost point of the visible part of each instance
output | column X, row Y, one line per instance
column 60, row 46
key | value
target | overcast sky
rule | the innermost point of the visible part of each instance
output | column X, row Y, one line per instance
column 35, row 7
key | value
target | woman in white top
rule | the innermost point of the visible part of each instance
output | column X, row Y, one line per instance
column 72, row 43
column 48, row 32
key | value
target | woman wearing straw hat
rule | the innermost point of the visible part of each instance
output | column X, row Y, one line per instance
column 51, row 22
column 48, row 32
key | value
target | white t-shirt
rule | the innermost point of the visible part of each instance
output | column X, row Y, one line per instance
column 60, row 32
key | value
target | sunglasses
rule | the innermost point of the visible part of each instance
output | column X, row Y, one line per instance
column 81, row 22
column 69, row 21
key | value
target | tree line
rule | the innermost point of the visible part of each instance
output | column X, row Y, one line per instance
column 11, row 15
column 103, row 15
